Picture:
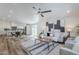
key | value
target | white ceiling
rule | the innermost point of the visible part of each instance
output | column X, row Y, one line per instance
column 24, row 13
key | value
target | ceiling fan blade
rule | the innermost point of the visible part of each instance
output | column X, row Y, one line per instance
column 42, row 15
column 46, row 11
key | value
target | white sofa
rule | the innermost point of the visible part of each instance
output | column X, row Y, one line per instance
column 71, row 47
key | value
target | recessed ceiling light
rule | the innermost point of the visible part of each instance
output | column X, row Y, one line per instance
column 68, row 11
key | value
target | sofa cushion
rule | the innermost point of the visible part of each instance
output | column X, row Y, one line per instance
column 76, row 44
column 76, row 47
column 76, row 40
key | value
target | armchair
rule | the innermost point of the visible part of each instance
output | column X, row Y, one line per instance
column 58, row 36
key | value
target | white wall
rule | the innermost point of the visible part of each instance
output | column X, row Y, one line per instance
column 70, row 23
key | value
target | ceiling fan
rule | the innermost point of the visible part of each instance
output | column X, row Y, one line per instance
column 39, row 11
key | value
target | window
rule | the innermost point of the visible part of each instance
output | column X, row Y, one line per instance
column 34, row 29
